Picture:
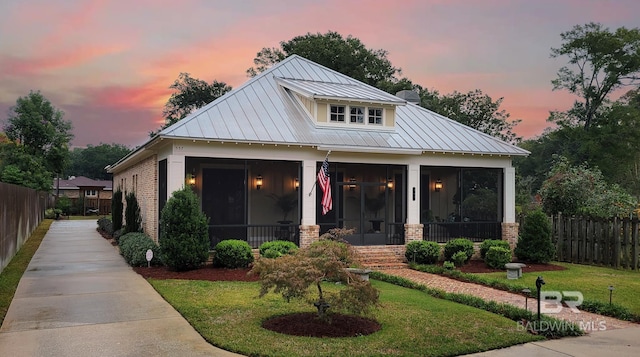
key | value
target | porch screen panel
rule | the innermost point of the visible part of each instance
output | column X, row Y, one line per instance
column 223, row 201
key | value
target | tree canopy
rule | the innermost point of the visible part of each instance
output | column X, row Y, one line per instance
column 600, row 61
column 92, row 160
column 474, row 109
column 188, row 95
column 348, row 56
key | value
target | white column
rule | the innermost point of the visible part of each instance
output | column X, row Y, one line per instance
column 413, row 194
column 309, row 202
column 509, row 196
column 175, row 173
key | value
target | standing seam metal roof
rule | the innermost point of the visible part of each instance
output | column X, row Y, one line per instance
column 263, row 110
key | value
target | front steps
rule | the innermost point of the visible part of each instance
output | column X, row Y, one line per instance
column 381, row 257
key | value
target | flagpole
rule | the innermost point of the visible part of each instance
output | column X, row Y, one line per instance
column 316, row 181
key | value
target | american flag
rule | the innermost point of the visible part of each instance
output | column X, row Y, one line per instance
column 325, row 185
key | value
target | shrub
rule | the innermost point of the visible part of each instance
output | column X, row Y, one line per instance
column 448, row 265
column 497, row 257
column 277, row 248
column 484, row 247
column 233, row 253
column 132, row 214
column 422, row 252
column 184, row 232
column 116, row 210
column 105, row 226
column 534, row 244
column 134, row 246
column 117, row 234
column 458, row 245
column 63, row 203
column 345, row 254
column 459, row 258
column 49, row 213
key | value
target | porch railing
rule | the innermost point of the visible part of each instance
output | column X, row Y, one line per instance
column 254, row 234
column 442, row 232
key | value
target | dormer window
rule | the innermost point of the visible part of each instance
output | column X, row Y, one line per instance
column 337, row 113
column 375, row 116
column 357, row 115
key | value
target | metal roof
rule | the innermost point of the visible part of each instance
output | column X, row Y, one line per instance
column 339, row 91
column 264, row 110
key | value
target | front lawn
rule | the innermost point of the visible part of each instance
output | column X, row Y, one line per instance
column 591, row 281
column 229, row 314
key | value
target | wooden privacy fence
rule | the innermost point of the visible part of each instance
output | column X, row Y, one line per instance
column 610, row 242
column 21, row 210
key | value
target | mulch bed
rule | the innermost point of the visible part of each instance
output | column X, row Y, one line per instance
column 207, row 272
column 308, row 324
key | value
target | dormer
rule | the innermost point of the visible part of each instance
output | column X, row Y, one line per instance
column 344, row 105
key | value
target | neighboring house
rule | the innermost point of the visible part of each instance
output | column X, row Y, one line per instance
column 87, row 196
column 398, row 172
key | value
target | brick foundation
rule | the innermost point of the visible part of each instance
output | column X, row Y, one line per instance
column 510, row 233
column 412, row 232
column 308, row 235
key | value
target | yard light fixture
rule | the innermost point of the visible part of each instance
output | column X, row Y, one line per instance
column 258, row 182
column 352, row 185
column 296, row 183
column 438, row 185
column 610, row 293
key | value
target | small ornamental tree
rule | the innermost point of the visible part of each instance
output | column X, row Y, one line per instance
column 534, row 244
column 133, row 221
column 296, row 275
column 116, row 210
column 184, row 232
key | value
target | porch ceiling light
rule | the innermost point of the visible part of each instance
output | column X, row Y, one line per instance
column 352, row 185
column 258, row 182
column 438, row 185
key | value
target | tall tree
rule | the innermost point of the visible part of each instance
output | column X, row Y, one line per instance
column 39, row 127
column 92, row 160
column 20, row 168
column 474, row 109
column 600, row 61
column 348, row 56
column 188, row 95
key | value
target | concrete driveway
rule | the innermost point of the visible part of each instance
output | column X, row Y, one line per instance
column 79, row 298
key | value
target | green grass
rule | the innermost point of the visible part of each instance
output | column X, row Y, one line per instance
column 10, row 276
column 591, row 281
column 229, row 315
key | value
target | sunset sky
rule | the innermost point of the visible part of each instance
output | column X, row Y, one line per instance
column 108, row 64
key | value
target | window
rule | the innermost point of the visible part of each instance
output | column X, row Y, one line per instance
column 375, row 116
column 357, row 115
column 337, row 113
column 91, row 193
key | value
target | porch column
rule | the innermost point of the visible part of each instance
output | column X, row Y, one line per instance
column 509, row 195
column 175, row 173
column 413, row 228
column 509, row 225
column 309, row 230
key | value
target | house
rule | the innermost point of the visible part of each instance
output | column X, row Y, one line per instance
column 398, row 172
column 87, row 196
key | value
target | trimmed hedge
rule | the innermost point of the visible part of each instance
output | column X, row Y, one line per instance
column 497, row 257
column 484, row 247
column 456, row 245
column 422, row 252
column 233, row 253
column 277, row 248
column 134, row 246
column 105, row 226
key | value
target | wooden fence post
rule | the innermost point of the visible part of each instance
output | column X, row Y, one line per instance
column 616, row 242
column 626, row 238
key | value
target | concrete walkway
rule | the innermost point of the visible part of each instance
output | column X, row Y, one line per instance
column 79, row 298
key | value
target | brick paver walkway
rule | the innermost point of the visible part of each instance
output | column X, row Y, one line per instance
column 588, row 321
